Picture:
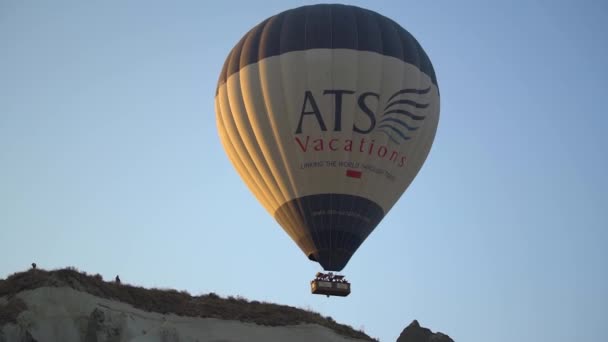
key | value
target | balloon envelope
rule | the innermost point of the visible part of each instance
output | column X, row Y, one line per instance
column 327, row 112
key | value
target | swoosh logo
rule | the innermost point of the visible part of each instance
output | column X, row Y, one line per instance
column 402, row 114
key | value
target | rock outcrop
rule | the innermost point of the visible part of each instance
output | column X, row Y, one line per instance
column 415, row 333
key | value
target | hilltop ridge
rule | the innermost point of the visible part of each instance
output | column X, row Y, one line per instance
column 69, row 305
column 163, row 301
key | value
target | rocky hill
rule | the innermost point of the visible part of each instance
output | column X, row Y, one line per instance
column 67, row 305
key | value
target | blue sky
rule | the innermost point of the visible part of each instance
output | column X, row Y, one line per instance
column 110, row 162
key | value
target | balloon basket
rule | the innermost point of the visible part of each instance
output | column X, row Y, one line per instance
column 330, row 284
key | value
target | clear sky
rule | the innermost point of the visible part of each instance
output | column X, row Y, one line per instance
column 110, row 162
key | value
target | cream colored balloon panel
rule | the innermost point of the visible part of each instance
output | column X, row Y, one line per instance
column 234, row 150
column 303, row 143
column 417, row 115
column 326, row 160
column 265, row 103
column 266, row 143
column 250, row 145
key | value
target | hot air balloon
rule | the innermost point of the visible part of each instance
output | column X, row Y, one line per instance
column 327, row 112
